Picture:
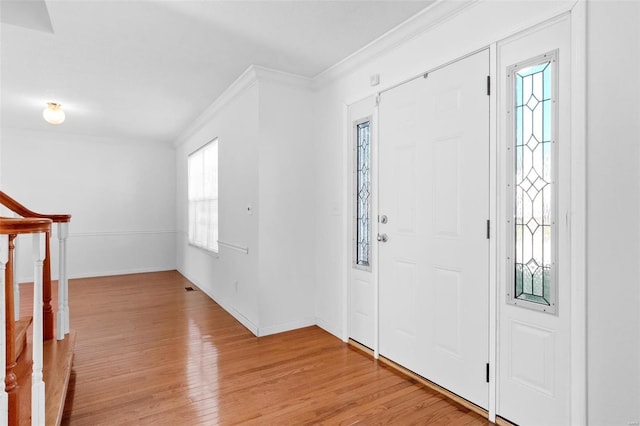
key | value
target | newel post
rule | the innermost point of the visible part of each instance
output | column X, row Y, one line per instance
column 4, row 398
column 37, row 384
column 63, row 283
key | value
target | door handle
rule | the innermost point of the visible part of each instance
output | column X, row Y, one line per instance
column 383, row 238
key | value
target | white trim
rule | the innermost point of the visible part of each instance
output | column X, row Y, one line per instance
column 245, row 81
column 281, row 77
column 247, row 323
column 375, row 229
column 328, row 328
column 578, row 214
column 98, row 274
column 493, row 234
column 437, row 13
column 287, row 326
column 120, row 233
column 440, row 12
column 211, row 253
column 235, row 247
column 122, row 272
column 346, row 222
column 4, row 258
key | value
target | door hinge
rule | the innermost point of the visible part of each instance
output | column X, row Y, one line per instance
column 488, row 229
column 377, row 100
column 487, row 372
column 488, row 85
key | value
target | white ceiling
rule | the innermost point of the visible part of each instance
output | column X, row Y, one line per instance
column 144, row 70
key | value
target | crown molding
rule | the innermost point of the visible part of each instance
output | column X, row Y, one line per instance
column 435, row 14
column 281, row 77
column 247, row 79
column 251, row 76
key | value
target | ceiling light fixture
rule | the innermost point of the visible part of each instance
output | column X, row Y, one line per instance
column 53, row 113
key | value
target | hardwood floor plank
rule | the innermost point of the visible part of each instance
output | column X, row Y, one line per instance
column 150, row 353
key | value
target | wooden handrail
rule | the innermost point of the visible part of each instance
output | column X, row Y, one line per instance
column 21, row 210
column 14, row 226
column 39, row 225
column 18, row 208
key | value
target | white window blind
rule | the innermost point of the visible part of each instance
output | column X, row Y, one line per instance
column 203, row 197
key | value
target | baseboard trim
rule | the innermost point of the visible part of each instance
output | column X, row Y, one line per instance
column 425, row 382
column 292, row 325
column 248, row 324
column 29, row 280
column 361, row 347
column 504, row 422
column 329, row 329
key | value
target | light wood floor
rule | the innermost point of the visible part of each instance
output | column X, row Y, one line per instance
column 149, row 352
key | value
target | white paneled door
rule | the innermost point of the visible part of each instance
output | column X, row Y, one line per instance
column 434, row 192
column 534, row 305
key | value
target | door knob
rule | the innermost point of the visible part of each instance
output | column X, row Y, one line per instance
column 383, row 238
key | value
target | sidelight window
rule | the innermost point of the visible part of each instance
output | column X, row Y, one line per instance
column 362, row 193
column 533, row 188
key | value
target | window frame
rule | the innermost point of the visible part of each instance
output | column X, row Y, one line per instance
column 354, row 194
column 511, row 298
column 208, row 248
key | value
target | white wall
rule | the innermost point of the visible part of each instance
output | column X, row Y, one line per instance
column 613, row 212
column 236, row 127
column 262, row 123
column 287, row 218
column 120, row 193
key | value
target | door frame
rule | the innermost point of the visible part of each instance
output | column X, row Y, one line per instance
column 577, row 219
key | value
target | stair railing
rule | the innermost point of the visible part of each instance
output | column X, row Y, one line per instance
column 10, row 228
column 62, row 222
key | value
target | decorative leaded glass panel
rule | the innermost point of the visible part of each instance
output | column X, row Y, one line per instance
column 534, row 183
column 363, row 193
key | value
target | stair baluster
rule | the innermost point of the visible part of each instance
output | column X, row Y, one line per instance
column 63, row 282
column 37, row 385
column 4, row 258
column 10, row 379
column 16, row 281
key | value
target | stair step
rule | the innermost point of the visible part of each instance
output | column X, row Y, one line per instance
column 22, row 326
column 58, row 363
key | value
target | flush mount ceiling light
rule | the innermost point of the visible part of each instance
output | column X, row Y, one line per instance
column 53, row 113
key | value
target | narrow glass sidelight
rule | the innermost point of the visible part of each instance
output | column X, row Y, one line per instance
column 533, row 187
column 362, row 193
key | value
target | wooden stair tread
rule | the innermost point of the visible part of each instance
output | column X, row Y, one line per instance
column 58, row 360
column 22, row 327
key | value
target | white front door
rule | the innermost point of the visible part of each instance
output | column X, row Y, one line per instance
column 434, row 192
column 534, row 351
